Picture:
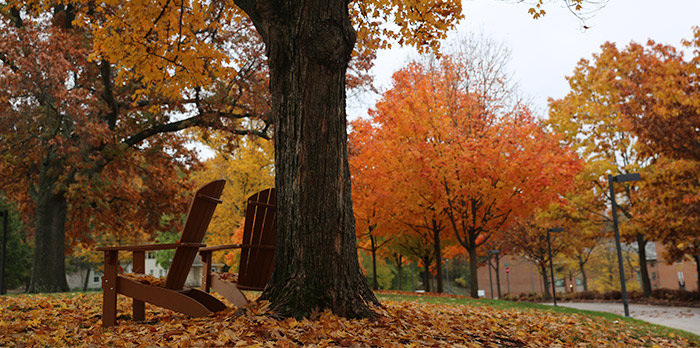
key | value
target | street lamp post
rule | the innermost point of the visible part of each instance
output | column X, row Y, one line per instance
column 611, row 180
column 551, row 262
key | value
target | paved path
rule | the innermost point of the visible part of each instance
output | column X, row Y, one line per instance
column 684, row 318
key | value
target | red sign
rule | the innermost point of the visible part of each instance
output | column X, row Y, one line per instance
column 507, row 270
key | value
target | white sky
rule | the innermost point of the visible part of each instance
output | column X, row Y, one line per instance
column 545, row 51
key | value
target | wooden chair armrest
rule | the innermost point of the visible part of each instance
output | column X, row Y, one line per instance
column 235, row 246
column 146, row 247
column 220, row 247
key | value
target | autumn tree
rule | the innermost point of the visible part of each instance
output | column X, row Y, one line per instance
column 375, row 225
column 592, row 118
column 671, row 208
column 474, row 163
column 248, row 167
column 528, row 237
column 584, row 215
column 308, row 45
column 89, row 146
column 17, row 253
column 665, row 98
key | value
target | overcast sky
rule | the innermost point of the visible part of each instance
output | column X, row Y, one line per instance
column 545, row 51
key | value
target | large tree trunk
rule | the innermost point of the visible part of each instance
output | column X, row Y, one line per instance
column 309, row 43
column 473, row 267
column 48, row 270
column 438, row 255
column 643, row 269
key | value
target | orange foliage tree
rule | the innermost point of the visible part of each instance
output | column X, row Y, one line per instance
column 474, row 164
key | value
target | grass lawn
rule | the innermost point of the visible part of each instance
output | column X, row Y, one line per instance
column 73, row 319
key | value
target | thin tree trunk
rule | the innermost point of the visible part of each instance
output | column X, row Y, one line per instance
column 473, row 267
column 438, row 255
column 697, row 269
column 309, row 43
column 48, row 269
column 398, row 258
column 643, row 269
column 545, row 279
column 399, row 267
column 426, row 271
column 498, row 277
column 374, row 263
column 583, row 274
column 87, row 279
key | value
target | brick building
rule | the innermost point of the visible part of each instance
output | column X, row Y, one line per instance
column 518, row 275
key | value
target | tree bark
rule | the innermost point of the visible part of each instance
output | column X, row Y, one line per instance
column 498, row 277
column 48, row 270
column 583, row 274
column 438, row 255
column 426, row 274
column 308, row 44
column 643, row 269
column 473, row 267
column 374, row 263
column 697, row 269
column 399, row 267
column 545, row 279
column 87, row 279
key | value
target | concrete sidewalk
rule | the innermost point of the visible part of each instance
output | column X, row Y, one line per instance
column 683, row 318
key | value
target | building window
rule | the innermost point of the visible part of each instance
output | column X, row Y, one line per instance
column 96, row 279
column 559, row 283
column 653, row 275
column 161, row 273
column 579, row 282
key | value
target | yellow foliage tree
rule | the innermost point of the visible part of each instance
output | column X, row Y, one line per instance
column 248, row 169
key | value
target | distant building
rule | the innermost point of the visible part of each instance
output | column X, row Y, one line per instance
column 194, row 278
column 519, row 275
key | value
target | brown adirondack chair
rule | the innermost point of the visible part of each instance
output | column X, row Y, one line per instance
column 173, row 295
column 257, row 252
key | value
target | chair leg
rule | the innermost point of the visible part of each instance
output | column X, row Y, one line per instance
column 139, row 307
column 109, row 289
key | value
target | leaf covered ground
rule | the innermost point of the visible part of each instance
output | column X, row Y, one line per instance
column 75, row 320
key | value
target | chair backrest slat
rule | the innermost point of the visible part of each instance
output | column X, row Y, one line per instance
column 201, row 211
column 256, row 264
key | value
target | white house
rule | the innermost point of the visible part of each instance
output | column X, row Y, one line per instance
column 77, row 280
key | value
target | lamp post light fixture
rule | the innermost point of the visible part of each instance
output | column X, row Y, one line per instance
column 616, row 229
column 551, row 262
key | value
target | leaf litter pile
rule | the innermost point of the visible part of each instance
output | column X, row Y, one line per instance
column 75, row 320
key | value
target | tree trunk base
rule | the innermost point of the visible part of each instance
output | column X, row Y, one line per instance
column 291, row 299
